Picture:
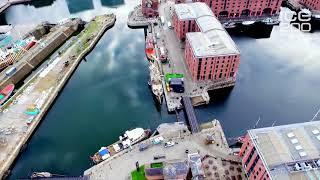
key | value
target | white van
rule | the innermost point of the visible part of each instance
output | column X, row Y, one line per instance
column 169, row 25
column 162, row 19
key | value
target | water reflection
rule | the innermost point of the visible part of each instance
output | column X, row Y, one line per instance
column 277, row 80
column 81, row 5
column 38, row 11
column 41, row 3
column 111, row 3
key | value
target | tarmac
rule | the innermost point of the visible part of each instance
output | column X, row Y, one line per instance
column 41, row 90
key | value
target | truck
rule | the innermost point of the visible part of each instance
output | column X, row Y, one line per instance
column 11, row 71
column 163, row 55
column 177, row 85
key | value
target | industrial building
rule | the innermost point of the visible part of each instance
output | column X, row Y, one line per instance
column 210, row 53
column 230, row 9
column 282, row 152
column 149, row 8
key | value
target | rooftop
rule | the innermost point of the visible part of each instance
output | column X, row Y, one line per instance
column 284, row 148
column 186, row 11
column 211, row 43
column 213, row 40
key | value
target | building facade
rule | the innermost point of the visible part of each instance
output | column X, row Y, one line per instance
column 282, row 152
column 312, row 4
column 251, row 161
column 210, row 53
column 236, row 8
column 149, row 8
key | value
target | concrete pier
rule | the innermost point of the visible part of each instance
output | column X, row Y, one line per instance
column 4, row 4
column 137, row 20
column 165, row 37
column 121, row 165
column 41, row 90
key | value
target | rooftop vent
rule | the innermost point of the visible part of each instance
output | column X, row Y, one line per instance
column 302, row 154
column 298, row 147
column 294, row 141
column 315, row 131
column 290, row 135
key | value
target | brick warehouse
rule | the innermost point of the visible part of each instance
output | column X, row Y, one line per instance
column 237, row 8
column 282, row 152
column 210, row 53
column 312, row 4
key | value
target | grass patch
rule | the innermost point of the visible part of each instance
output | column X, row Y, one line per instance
column 138, row 175
column 156, row 165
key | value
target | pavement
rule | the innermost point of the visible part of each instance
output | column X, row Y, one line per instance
column 121, row 165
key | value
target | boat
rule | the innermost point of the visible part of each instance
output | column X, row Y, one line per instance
column 150, row 51
column 155, row 81
column 127, row 140
column 247, row 23
column 270, row 21
column 45, row 175
column 229, row 25
column 5, row 93
column 41, row 175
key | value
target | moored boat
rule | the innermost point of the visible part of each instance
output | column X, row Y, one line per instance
column 150, row 51
column 248, row 23
column 128, row 139
column 155, row 81
column 5, row 93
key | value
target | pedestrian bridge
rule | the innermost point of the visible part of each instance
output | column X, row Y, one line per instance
column 189, row 115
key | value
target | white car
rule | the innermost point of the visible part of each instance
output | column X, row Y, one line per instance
column 169, row 144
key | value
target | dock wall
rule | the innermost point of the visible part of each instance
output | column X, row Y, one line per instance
column 4, row 170
column 7, row 4
column 38, row 54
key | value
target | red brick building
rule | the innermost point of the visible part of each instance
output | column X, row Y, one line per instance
column 238, row 8
column 312, row 4
column 282, row 152
column 149, row 8
column 210, row 53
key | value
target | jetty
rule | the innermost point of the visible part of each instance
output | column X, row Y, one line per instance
column 21, row 115
column 4, row 4
column 137, row 20
column 164, row 37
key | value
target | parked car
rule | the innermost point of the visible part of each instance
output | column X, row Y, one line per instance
column 157, row 140
column 159, row 157
column 169, row 144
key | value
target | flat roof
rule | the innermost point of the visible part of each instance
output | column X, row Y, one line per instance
column 186, row 11
column 211, row 43
column 213, row 40
column 281, row 147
